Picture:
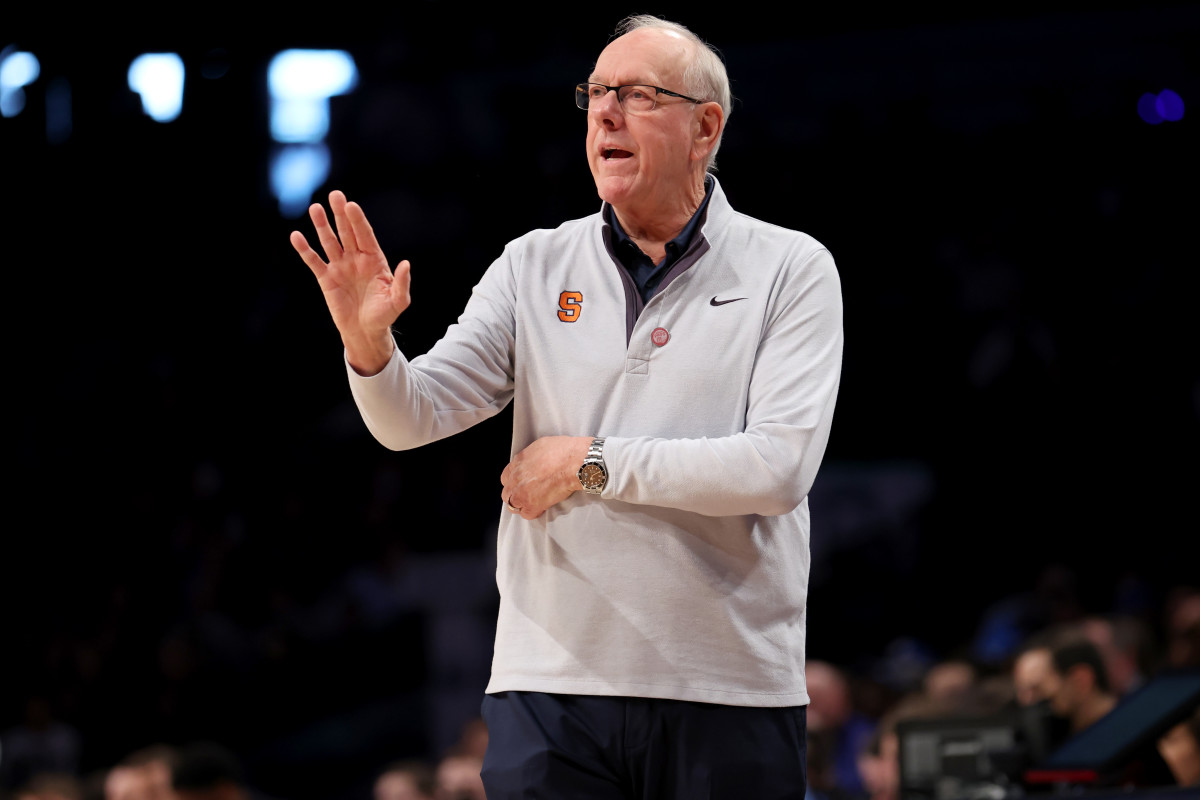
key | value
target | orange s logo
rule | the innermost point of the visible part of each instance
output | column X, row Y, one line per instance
column 571, row 304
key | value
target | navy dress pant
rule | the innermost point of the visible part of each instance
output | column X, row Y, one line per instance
column 558, row 747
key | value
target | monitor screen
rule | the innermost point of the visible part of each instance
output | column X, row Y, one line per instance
column 1138, row 720
column 944, row 758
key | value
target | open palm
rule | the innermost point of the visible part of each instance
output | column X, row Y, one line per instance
column 363, row 294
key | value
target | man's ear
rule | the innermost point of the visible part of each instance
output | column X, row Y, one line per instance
column 710, row 121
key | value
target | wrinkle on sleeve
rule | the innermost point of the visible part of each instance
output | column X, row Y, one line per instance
column 464, row 379
column 769, row 466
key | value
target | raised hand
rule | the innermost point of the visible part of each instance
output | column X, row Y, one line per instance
column 363, row 294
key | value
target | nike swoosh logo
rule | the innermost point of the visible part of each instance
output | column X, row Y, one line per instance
column 716, row 302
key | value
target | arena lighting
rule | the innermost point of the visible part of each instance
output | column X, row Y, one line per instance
column 296, row 172
column 1169, row 105
column 17, row 70
column 300, row 83
column 158, row 78
column 1166, row 106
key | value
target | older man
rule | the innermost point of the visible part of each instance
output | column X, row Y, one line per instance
column 673, row 367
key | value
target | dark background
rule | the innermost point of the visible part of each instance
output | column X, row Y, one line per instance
column 203, row 540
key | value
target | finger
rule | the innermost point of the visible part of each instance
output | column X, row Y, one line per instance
column 364, row 234
column 506, row 477
column 325, row 234
column 401, row 281
column 307, row 254
column 345, row 231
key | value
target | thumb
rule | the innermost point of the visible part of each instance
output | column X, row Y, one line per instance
column 401, row 283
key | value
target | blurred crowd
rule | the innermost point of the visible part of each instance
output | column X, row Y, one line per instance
column 212, row 771
column 1063, row 677
column 1031, row 652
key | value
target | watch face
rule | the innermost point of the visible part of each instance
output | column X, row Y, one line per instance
column 591, row 475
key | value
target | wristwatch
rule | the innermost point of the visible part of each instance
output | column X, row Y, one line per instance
column 593, row 474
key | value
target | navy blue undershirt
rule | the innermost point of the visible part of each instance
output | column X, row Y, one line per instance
column 645, row 273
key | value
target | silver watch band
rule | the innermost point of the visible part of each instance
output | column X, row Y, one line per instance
column 593, row 473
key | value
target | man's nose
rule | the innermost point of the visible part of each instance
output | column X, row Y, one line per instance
column 607, row 108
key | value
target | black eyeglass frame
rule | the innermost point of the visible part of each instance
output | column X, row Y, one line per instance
column 581, row 91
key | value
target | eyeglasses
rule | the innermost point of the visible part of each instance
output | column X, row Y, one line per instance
column 634, row 98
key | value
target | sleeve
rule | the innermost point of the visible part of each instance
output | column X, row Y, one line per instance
column 464, row 379
column 769, row 467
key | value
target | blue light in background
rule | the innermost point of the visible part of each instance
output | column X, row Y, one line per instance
column 1146, row 109
column 17, row 70
column 1169, row 105
column 158, row 78
column 296, row 172
column 300, row 83
column 1166, row 106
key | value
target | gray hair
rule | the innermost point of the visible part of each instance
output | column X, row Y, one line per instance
column 704, row 75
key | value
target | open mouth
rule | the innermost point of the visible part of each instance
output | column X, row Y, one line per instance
column 613, row 152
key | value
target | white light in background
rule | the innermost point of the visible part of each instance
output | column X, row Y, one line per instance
column 158, row 78
column 17, row 70
column 300, row 83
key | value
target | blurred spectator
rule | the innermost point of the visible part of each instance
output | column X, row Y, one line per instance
column 995, row 691
column 879, row 764
column 474, row 738
column 1180, row 748
column 823, row 783
column 1182, row 616
column 1034, row 678
column 903, row 664
column 1083, row 694
column 952, row 683
column 143, row 775
column 50, row 787
column 1124, row 644
column 39, row 745
column 843, row 732
column 91, row 785
column 458, row 778
column 1135, row 636
column 1053, row 602
column 207, row 771
column 406, row 780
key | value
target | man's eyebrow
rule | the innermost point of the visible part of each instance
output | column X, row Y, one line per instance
column 593, row 79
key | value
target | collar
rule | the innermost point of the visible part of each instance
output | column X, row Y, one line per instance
column 621, row 240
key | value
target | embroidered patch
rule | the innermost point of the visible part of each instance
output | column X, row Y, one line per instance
column 570, row 306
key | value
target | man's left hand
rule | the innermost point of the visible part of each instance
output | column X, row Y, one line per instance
column 544, row 473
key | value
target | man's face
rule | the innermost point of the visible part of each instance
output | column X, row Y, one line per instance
column 397, row 786
column 644, row 161
column 1074, row 687
column 1034, row 677
column 150, row 781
